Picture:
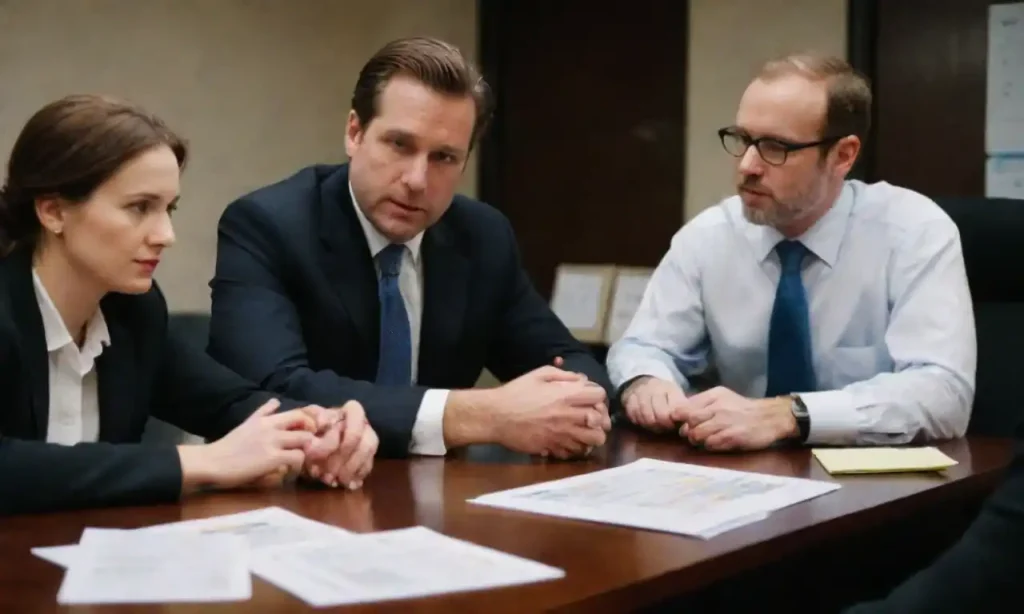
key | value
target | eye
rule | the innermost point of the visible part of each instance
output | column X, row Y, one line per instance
column 141, row 206
column 773, row 146
column 446, row 158
column 171, row 208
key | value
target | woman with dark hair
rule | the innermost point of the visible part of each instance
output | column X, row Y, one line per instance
column 85, row 357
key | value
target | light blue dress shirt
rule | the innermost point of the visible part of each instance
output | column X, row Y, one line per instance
column 892, row 324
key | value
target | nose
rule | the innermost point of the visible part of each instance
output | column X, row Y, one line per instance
column 751, row 162
column 415, row 177
column 163, row 232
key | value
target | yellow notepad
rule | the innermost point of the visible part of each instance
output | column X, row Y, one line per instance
column 882, row 460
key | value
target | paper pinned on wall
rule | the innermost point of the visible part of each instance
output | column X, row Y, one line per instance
column 1004, row 177
column 630, row 285
column 580, row 298
column 1004, row 113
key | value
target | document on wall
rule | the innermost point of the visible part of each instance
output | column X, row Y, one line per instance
column 652, row 494
column 112, row 566
column 399, row 564
column 630, row 286
column 579, row 297
column 261, row 528
column 1004, row 176
column 1004, row 122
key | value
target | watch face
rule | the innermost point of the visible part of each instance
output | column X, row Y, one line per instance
column 799, row 409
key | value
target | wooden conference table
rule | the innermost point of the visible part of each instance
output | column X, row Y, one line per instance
column 608, row 568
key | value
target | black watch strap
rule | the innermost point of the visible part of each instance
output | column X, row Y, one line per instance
column 801, row 415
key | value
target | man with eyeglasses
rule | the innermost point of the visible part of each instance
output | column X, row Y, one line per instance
column 829, row 310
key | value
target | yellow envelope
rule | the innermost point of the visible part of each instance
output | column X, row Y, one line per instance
column 882, row 460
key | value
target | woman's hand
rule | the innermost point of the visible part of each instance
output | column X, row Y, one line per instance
column 260, row 451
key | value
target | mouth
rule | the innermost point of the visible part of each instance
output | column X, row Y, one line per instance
column 149, row 265
column 755, row 192
column 404, row 206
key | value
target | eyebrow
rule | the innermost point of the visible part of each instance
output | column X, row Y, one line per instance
column 447, row 149
column 152, row 196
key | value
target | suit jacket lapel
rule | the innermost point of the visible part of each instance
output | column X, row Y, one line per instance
column 347, row 264
column 32, row 335
column 446, row 273
column 116, row 379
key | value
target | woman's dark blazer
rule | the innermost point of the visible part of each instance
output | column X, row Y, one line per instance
column 142, row 373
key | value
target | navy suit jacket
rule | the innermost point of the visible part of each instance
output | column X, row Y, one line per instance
column 295, row 303
column 143, row 372
column 982, row 571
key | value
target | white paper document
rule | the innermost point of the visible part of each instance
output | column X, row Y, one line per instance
column 629, row 292
column 1004, row 176
column 390, row 565
column 577, row 299
column 652, row 494
column 1004, row 122
column 261, row 528
column 112, row 566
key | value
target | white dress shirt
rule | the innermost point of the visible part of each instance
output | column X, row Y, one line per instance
column 428, row 430
column 892, row 325
column 74, row 413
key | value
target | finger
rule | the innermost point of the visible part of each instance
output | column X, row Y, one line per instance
column 648, row 418
column 294, row 440
column 703, row 399
column 326, row 444
column 292, row 459
column 699, row 416
column 583, row 437
column 559, row 362
column 632, row 407
column 701, row 432
column 660, row 409
column 364, row 471
column 725, row 440
column 367, row 448
column 585, row 395
column 266, row 409
column 292, row 420
column 553, row 374
column 663, row 413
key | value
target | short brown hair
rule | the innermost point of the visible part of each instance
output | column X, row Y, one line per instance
column 69, row 148
column 849, row 93
column 434, row 63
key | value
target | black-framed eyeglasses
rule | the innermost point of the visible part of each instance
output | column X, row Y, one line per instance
column 772, row 150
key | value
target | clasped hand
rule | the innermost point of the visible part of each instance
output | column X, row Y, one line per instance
column 717, row 419
column 335, row 446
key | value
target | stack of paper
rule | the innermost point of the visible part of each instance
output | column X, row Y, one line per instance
column 882, row 460
column 396, row 564
column 210, row 560
column 680, row 498
column 112, row 566
column 269, row 526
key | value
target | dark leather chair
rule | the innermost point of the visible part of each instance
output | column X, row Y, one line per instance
column 194, row 328
column 992, row 234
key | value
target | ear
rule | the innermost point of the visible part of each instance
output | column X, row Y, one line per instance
column 353, row 133
column 50, row 211
column 846, row 151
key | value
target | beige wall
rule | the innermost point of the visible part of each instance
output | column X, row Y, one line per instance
column 728, row 40
column 260, row 87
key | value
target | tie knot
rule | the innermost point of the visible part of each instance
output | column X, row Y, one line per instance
column 390, row 260
column 791, row 255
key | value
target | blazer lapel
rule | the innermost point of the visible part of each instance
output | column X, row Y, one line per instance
column 32, row 336
column 446, row 273
column 347, row 264
column 116, row 379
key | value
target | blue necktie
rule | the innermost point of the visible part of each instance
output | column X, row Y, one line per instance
column 394, row 366
column 790, row 366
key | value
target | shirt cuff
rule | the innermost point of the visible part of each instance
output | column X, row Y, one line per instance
column 651, row 369
column 834, row 417
column 428, row 431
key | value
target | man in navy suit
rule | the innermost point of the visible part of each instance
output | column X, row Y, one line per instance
column 374, row 281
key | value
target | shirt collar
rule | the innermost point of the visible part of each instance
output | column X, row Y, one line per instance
column 375, row 239
column 97, row 336
column 822, row 239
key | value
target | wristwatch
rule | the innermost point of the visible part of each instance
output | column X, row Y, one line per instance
column 800, row 413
